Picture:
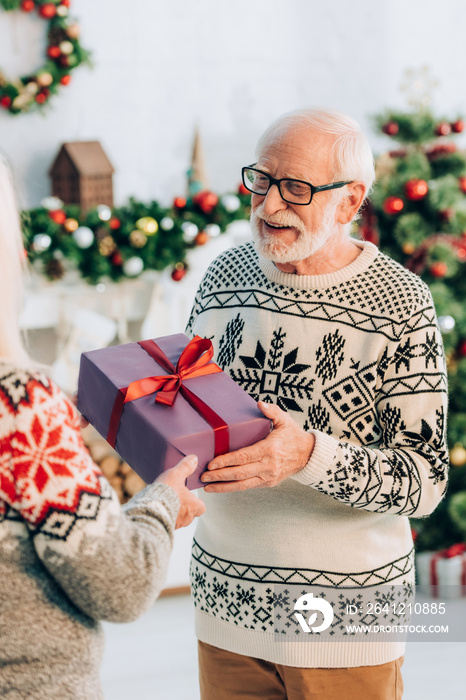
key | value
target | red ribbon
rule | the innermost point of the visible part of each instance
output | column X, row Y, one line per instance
column 454, row 551
column 194, row 361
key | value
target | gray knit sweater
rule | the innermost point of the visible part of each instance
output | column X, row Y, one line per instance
column 69, row 554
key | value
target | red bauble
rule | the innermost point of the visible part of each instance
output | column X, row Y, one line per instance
column 66, row 3
column 461, row 349
column 416, row 189
column 242, row 189
column 443, row 129
column 117, row 258
column 441, row 150
column 65, row 79
column 458, row 126
column 462, row 184
column 53, row 51
column 206, row 201
column 114, row 223
column 178, row 273
column 48, row 10
column 179, row 202
column 5, row 101
column 393, row 205
column 41, row 97
column 461, row 252
column 58, row 215
column 27, row 5
column 390, row 128
column 438, row 269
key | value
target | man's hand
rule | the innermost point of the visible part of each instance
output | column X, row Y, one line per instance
column 190, row 505
column 282, row 453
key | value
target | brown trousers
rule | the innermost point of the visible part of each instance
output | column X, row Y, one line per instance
column 227, row 676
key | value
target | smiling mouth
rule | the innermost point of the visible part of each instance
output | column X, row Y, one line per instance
column 276, row 227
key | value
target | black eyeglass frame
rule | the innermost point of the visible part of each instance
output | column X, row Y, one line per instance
column 275, row 181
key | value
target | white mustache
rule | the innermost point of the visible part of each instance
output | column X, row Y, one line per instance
column 280, row 218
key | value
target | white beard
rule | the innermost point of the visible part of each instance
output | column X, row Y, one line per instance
column 307, row 243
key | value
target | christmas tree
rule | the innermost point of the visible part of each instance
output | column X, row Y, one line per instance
column 417, row 214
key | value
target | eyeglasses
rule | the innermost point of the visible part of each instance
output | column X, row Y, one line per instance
column 291, row 191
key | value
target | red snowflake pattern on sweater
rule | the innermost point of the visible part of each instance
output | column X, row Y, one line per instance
column 44, row 465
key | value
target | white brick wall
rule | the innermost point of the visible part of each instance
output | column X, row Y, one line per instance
column 163, row 65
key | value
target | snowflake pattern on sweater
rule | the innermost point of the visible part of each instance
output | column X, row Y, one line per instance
column 41, row 457
column 273, row 374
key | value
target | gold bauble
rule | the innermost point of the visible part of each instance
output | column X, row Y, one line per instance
column 70, row 225
column 458, row 455
column 73, row 31
column 148, row 225
column 451, row 361
column 31, row 87
column 44, row 79
column 106, row 246
column 66, row 47
column 408, row 248
column 137, row 238
column 384, row 166
column 22, row 100
column 201, row 238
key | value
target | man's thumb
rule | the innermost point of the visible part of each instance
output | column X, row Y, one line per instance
column 270, row 410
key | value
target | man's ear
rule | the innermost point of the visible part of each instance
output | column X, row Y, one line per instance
column 351, row 202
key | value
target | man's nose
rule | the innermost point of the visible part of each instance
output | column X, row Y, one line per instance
column 273, row 201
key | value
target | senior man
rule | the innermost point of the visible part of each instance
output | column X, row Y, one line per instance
column 340, row 346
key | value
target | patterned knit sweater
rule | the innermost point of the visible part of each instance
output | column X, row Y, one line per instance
column 69, row 554
column 354, row 356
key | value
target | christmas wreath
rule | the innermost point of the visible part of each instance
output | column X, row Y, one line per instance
column 64, row 53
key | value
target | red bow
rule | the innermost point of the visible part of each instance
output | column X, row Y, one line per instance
column 453, row 551
column 194, row 361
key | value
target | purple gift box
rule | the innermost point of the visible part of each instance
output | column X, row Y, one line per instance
column 153, row 437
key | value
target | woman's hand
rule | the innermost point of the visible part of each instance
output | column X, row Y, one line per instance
column 83, row 423
column 190, row 505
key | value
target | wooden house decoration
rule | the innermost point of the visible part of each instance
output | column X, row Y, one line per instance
column 82, row 174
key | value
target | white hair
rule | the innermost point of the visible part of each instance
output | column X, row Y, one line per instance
column 12, row 259
column 352, row 155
